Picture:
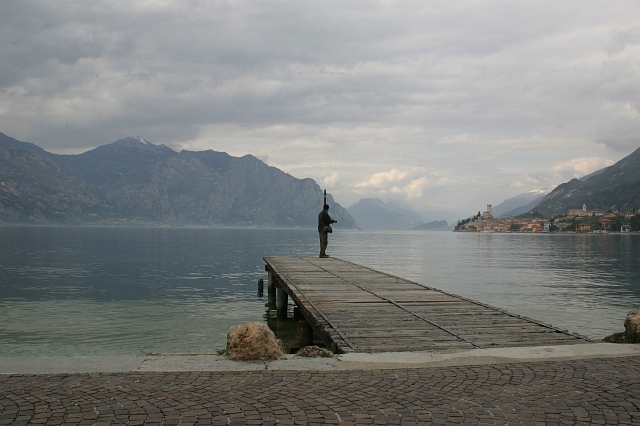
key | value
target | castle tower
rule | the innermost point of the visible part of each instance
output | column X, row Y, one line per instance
column 584, row 207
column 488, row 214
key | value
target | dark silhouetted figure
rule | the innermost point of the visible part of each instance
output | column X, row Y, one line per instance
column 324, row 228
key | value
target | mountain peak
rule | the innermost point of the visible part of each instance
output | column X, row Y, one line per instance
column 139, row 139
column 140, row 143
column 133, row 141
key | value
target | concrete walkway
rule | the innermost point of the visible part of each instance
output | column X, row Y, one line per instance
column 581, row 384
column 353, row 361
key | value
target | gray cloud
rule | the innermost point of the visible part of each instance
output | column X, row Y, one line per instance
column 484, row 95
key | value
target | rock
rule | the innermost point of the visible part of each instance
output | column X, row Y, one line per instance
column 632, row 326
column 616, row 338
column 253, row 341
column 315, row 351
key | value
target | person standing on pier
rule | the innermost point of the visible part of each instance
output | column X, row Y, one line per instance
column 324, row 228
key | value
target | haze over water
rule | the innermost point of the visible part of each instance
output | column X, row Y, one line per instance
column 126, row 291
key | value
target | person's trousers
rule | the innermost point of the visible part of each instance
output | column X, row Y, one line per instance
column 324, row 240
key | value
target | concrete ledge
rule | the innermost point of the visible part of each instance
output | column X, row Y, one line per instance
column 354, row 361
column 74, row 364
column 485, row 356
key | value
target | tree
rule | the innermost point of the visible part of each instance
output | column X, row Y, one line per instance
column 616, row 224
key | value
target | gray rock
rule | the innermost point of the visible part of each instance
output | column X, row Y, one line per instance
column 631, row 327
column 253, row 341
column 314, row 352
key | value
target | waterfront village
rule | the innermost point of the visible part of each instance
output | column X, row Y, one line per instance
column 574, row 221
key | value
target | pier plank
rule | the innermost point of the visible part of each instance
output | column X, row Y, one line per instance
column 355, row 308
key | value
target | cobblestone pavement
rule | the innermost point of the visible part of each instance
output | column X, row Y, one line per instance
column 597, row 391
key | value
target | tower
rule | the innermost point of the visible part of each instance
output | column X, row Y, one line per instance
column 488, row 214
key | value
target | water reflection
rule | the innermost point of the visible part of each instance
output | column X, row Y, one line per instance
column 90, row 291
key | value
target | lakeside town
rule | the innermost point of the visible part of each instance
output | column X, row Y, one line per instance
column 574, row 221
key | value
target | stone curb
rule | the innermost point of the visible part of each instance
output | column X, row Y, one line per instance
column 353, row 361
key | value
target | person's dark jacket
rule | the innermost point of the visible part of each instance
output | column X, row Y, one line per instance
column 324, row 220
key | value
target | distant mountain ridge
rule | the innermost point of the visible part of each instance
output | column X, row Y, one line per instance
column 520, row 203
column 373, row 213
column 615, row 187
column 436, row 225
column 592, row 174
column 135, row 181
column 529, row 201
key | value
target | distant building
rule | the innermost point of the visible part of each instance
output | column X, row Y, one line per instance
column 625, row 228
column 534, row 227
column 584, row 227
column 503, row 227
column 580, row 212
column 488, row 214
column 605, row 223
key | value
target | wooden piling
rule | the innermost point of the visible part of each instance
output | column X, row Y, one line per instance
column 305, row 334
column 271, row 291
column 271, row 280
column 260, row 287
column 282, row 302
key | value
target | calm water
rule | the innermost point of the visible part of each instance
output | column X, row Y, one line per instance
column 110, row 291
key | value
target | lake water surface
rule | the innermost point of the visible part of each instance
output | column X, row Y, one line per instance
column 127, row 291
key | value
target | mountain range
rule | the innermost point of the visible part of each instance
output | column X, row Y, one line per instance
column 133, row 181
column 529, row 201
column 373, row 213
column 617, row 187
column 520, row 203
column 436, row 225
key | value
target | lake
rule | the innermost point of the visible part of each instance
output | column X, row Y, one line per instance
column 128, row 291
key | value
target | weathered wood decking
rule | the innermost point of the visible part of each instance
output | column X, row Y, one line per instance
column 357, row 309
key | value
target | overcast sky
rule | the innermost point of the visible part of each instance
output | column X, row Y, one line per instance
column 440, row 105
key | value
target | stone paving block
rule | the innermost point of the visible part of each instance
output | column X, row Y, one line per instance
column 595, row 391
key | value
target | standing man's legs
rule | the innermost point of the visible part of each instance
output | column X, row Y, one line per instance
column 324, row 241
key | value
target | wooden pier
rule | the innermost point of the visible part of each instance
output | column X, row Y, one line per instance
column 357, row 309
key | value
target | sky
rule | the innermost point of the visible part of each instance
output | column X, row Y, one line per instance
column 442, row 106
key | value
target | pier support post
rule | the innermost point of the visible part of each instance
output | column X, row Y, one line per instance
column 271, row 289
column 260, row 287
column 271, row 280
column 305, row 334
column 282, row 301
